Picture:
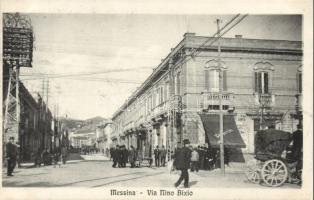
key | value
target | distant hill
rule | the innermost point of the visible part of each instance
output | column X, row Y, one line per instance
column 95, row 120
column 72, row 123
column 83, row 126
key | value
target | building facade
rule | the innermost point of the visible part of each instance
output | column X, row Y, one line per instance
column 35, row 132
column 261, row 83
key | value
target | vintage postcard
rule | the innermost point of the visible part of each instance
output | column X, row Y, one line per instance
column 143, row 103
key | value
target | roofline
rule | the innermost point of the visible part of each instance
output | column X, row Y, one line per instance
column 182, row 43
column 144, row 84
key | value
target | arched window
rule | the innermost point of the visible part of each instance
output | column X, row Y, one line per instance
column 211, row 76
column 262, row 77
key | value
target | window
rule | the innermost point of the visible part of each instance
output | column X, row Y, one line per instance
column 150, row 103
column 154, row 96
column 166, row 89
column 262, row 82
column 212, row 80
column 299, row 82
column 161, row 95
column 146, row 106
column 178, row 84
column 263, row 72
column 216, row 107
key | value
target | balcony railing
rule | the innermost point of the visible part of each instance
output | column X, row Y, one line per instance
column 212, row 98
column 265, row 100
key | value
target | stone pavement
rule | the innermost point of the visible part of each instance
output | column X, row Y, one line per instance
column 93, row 173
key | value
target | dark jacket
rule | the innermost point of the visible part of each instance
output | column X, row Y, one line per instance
column 11, row 151
column 157, row 153
column 182, row 158
column 163, row 153
column 124, row 155
column 132, row 155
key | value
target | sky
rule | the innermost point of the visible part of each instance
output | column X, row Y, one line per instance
column 95, row 61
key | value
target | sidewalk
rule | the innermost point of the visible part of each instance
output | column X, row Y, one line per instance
column 95, row 157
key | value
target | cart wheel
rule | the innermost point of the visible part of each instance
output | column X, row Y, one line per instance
column 253, row 176
column 274, row 173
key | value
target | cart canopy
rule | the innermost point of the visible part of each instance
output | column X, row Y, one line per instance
column 271, row 143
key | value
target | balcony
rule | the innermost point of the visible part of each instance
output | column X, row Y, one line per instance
column 160, row 109
column 265, row 100
column 128, row 126
column 212, row 99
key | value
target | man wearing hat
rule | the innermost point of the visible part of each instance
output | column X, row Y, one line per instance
column 182, row 162
column 11, row 155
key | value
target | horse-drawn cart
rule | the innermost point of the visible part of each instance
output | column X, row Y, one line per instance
column 271, row 165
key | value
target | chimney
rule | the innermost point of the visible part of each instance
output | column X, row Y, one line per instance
column 238, row 36
column 187, row 34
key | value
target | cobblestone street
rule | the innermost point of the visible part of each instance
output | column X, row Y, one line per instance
column 96, row 171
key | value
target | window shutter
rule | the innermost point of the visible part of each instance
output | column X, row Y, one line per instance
column 166, row 91
column 224, row 79
column 259, row 84
column 256, row 81
column 206, row 80
column 300, row 82
column 178, row 84
column 211, row 82
column 266, row 82
column 154, row 100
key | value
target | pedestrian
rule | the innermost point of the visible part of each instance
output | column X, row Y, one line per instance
column 297, row 143
column 182, row 163
column 45, row 156
column 201, row 157
column 297, row 149
column 119, row 156
column 194, row 160
column 56, row 156
column 132, row 156
column 163, row 154
column 226, row 156
column 157, row 154
column 114, row 155
column 64, row 154
column 11, row 156
column 38, row 159
column 125, row 155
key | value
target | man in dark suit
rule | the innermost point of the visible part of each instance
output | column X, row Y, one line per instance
column 11, row 151
column 125, row 156
column 182, row 162
column 157, row 155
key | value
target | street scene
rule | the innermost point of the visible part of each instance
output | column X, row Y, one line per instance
column 165, row 101
column 96, row 171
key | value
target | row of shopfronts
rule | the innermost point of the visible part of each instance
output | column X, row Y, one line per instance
column 262, row 86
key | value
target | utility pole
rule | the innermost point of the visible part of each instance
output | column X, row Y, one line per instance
column 171, row 110
column 222, row 161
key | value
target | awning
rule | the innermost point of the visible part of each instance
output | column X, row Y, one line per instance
column 232, row 137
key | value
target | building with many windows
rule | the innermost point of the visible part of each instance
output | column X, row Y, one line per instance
column 261, row 85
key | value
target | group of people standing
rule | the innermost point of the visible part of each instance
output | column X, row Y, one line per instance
column 160, row 156
column 120, row 156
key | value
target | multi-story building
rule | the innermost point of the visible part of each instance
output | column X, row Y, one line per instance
column 103, row 133
column 35, row 126
column 261, row 85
